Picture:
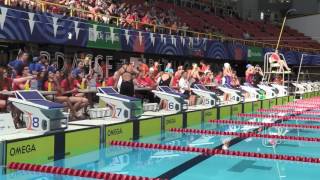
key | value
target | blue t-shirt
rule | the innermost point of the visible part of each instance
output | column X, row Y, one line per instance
column 36, row 67
column 168, row 70
column 17, row 65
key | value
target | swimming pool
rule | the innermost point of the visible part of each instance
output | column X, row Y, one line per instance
column 186, row 165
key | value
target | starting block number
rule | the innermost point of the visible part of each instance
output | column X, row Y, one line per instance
column 207, row 102
column 35, row 122
column 171, row 105
column 118, row 110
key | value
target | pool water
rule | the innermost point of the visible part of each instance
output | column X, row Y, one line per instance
column 194, row 166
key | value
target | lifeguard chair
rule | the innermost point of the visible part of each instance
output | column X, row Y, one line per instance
column 273, row 68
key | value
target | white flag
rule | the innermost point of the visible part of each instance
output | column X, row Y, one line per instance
column 31, row 21
column 161, row 37
column 183, row 40
column 112, row 34
column 76, row 28
column 140, row 38
column 127, row 35
column 174, row 40
column 55, row 26
column 153, row 39
column 191, row 41
column 3, row 16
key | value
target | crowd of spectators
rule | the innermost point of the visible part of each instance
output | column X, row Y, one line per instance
column 135, row 79
column 136, row 16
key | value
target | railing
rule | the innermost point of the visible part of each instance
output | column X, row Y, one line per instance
column 155, row 28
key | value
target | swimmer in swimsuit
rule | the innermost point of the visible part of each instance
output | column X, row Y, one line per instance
column 127, row 87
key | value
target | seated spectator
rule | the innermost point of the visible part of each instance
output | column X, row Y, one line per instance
column 53, row 84
column 5, row 85
column 218, row 78
column 184, row 85
column 246, row 35
column 174, row 28
column 176, row 77
column 69, row 87
column 155, row 68
column 203, row 67
column 22, row 82
column 111, row 80
column 168, row 68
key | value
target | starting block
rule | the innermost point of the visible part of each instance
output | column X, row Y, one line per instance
column 300, row 88
column 270, row 91
column 43, row 115
column 124, row 107
column 308, row 86
column 253, row 92
column 235, row 95
column 209, row 98
column 282, row 90
column 176, row 101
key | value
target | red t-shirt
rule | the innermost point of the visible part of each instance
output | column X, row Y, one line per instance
column 143, row 67
column 145, row 20
column 7, row 84
column 69, row 86
column 16, row 86
column 145, row 81
column 206, row 80
column 204, row 68
column 175, row 81
column 110, row 81
column 218, row 79
column 275, row 57
column 53, row 86
column 104, row 67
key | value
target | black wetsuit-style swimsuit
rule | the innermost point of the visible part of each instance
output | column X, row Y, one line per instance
column 127, row 87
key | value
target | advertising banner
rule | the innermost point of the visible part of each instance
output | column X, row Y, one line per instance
column 104, row 37
column 121, row 132
column 38, row 150
column 82, row 141
column 255, row 54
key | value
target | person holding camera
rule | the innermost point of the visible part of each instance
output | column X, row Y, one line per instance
column 254, row 74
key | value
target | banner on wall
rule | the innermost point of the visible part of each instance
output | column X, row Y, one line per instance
column 104, row 37
column 42, row 28
column 255, row 54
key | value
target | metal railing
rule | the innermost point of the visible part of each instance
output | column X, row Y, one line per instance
column 43, row 5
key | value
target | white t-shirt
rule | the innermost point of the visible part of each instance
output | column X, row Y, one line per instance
column 183, row 85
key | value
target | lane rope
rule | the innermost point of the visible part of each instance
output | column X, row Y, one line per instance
column 264, row 124
column 74, row 172
column 244, row 135
column 212, row 152
column 298, row 118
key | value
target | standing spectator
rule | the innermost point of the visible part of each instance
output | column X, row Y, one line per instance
column 249, row 74
column 17, row 65
column 184, row 28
